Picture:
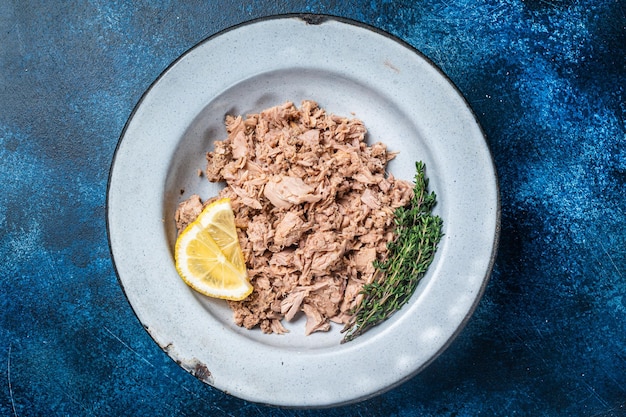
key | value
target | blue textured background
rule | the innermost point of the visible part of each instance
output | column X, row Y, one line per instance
column 546, row 79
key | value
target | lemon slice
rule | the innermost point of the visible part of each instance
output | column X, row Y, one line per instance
column 208, row 255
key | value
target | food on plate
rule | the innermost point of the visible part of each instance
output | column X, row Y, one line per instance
column 314, row 211
column 416, row 235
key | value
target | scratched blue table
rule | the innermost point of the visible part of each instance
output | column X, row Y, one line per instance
column 546, row 80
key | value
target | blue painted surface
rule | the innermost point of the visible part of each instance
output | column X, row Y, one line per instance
column 546, row 80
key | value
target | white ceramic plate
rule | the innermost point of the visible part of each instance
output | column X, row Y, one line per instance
column 349, row 69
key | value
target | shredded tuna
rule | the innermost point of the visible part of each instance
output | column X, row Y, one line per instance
column 314, row 209
column 188, row 211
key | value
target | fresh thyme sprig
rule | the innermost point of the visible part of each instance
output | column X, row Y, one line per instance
column 416, row 235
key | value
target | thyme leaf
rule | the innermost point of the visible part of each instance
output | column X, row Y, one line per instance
column 416, row 236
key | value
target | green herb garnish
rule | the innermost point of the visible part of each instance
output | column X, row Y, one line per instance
column 416, row 235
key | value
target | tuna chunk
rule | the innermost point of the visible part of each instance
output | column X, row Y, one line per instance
column 364, row 260
column 290, row 305
column 289, row 229
column 285, row 191
column 314, row 320
column 188, row 211
column 259, row 233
